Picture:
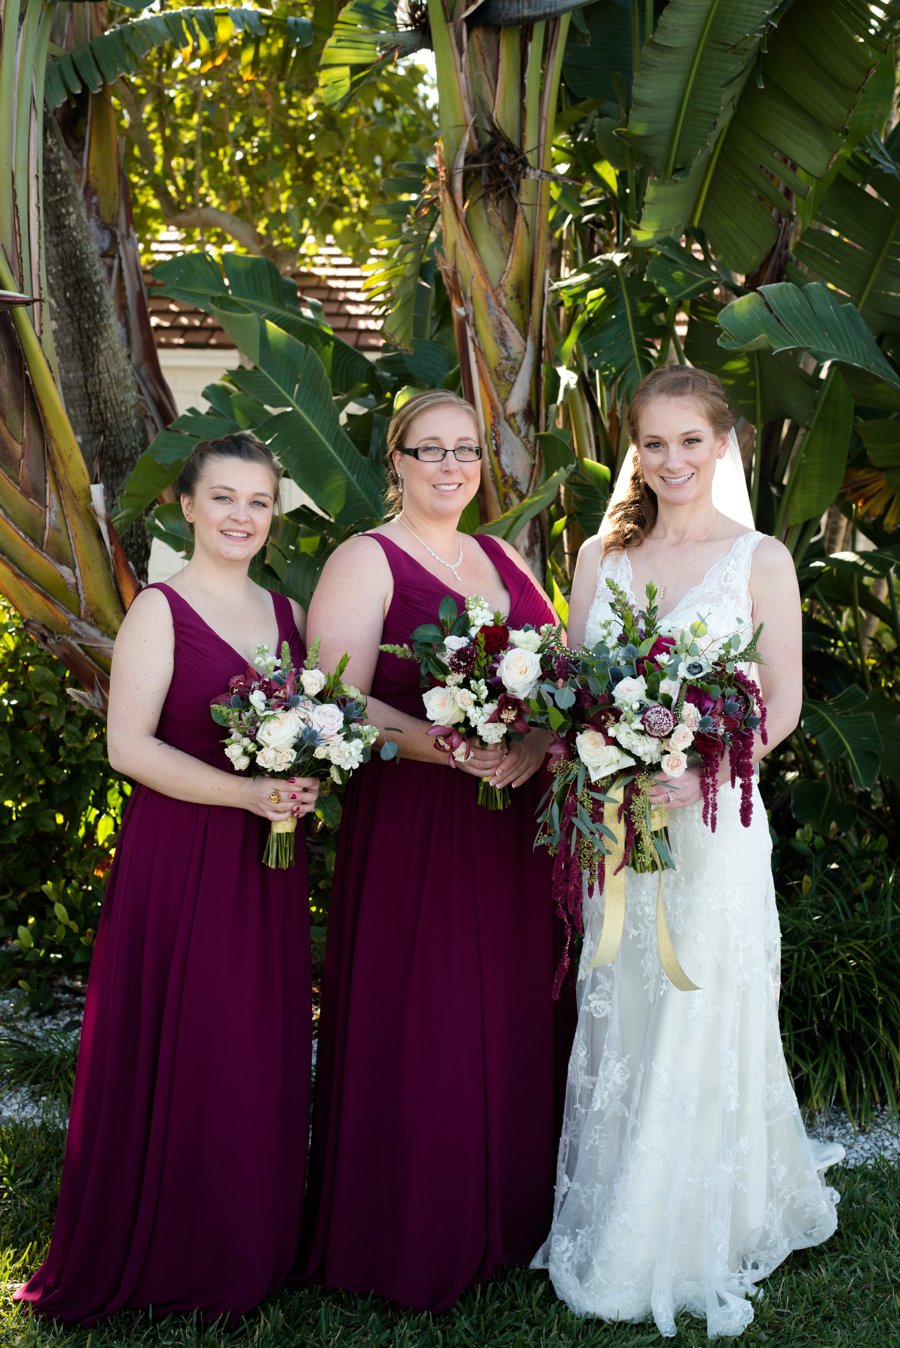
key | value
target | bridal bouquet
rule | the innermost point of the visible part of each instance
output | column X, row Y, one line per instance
column 304, row 722
column 641, row 701
column 479, row 674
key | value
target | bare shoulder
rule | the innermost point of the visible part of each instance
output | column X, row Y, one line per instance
column 299, row 616
column 148, row 610
column 772, row 561
column 591, row 551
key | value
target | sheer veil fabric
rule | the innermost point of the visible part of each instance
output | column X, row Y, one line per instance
column 684, row 1172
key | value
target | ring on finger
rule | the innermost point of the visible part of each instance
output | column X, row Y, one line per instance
column 274, row 797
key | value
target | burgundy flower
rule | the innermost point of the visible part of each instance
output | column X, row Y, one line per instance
column 700, row 698
column 462, row 661
column 562, row 666
column 448, row 738
column 648, row 663
column 495, row 637
column 658, row 722
column 512, row 711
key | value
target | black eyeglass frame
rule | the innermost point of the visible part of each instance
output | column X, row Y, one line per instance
column 413, row 452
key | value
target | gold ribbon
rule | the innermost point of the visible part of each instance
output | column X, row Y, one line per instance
column 614, row 896
column 283, row 826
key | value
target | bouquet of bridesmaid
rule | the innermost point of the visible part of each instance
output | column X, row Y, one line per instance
column 305, row 722
column 640, row 701
column 479, row 675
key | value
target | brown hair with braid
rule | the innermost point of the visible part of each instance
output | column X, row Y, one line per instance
column 635, row 515
column 398, row 430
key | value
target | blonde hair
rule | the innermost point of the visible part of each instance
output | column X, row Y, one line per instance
column 635, row 515
column 398, row 429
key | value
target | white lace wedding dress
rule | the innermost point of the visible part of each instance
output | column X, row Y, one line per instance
column 684, row 1173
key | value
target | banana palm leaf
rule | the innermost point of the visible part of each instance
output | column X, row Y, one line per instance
column 366, row 38
column 786, row 125
column 254, row 286
column 816, row 476
column 845, row 728
column 690, row 75
column 786, row 317
column 511, row 523
column 119, row 50
column 619, row 327
column 854, row 243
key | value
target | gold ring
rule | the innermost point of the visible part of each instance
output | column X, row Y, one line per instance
column 274, row 797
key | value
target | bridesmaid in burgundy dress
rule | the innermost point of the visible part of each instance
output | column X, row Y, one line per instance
column 182, row 1186
column 433, row 1134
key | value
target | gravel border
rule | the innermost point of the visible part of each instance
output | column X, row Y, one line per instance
column 880, row 1141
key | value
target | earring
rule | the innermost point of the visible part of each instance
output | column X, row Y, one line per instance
column 400, row 484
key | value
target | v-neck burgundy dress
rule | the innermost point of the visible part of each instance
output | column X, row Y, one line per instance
column 184, row 1171
column 433, row 1135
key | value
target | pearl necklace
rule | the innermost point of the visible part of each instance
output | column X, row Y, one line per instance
column 681, row 569
column 451, row 566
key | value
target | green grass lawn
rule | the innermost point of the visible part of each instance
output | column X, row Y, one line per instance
column 846, row 1292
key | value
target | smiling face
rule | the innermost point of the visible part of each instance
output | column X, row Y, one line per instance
column 231, row 508
column 439, row 490
column 677, row 449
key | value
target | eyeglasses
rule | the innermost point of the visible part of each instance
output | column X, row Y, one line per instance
column 437, row 453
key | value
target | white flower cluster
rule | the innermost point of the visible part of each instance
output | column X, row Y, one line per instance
column 633, row 743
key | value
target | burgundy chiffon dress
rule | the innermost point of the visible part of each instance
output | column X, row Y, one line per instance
column 183, row 1180
column 433, row 1129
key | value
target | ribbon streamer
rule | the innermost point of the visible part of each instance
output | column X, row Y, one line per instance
column 614, row 897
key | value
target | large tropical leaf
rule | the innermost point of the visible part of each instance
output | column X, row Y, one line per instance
column 845, row 728
column 854, row 242
column 366, row 38
column 816, row 476
column 786, row 126
column 599, row 56
column 120, row 50
column 619, row 327
column 786, row 317
column 254, row 286
column 690, row 76
column 510, row 524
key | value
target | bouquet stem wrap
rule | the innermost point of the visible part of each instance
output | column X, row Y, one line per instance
column 279, row 853
column 614, row 893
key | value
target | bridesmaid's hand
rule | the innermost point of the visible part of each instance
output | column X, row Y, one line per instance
column 482, row 761
column 296, row 796
column 674, row 793
column 523, row 759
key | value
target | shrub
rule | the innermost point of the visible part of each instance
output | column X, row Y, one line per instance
column 60, row 807
column 840, row 1000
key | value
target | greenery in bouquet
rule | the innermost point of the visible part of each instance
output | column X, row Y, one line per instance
column 479, row 675
column 304, row 722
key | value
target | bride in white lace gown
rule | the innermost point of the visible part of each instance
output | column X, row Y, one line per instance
column 684, row 1173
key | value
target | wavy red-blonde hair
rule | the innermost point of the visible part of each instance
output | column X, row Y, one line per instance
column 635, row 515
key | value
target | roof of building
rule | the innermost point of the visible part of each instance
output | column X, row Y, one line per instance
column 329, row 277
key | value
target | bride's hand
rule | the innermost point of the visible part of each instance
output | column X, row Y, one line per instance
column 675, row 792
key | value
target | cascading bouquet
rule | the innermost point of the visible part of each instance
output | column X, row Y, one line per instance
column 305, row 722
column 640, row 701
column 479, row 674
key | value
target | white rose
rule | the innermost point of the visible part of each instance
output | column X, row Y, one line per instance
column 234, row 752
column 464, row 698
column 526, row 641
column 283, row 759
column 520, row 672
column 267, row 758
column 441, row 706
column 630, row 690
column 281, row 730
column 257, row 700
column 327, row 720
column 669, row 688
column 239, row 762
column 313, row 681
column 600, row 759
column 335, row 775
column 680, row 738
column 690, row 716
column 673, row 764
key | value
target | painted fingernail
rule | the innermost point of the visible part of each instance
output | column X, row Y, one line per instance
column 292, row 779
column 293, row 795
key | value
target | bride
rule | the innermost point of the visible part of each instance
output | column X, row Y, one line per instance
column 684, row 1174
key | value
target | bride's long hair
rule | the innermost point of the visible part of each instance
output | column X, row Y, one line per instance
column 631, row 519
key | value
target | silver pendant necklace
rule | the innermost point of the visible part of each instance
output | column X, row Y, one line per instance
column 451, row 566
